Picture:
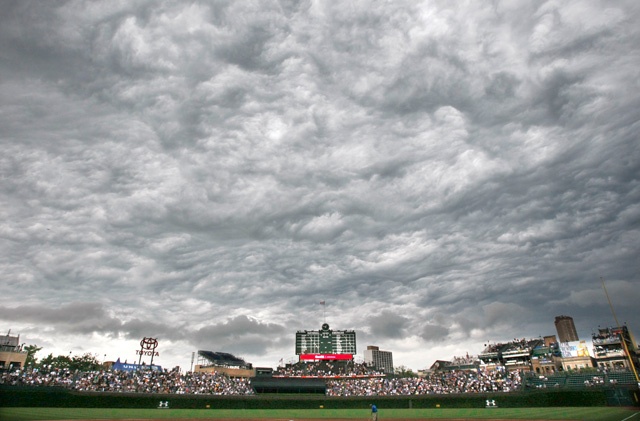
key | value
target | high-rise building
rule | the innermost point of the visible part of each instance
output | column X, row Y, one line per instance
column 566, row 329
column 381, row 360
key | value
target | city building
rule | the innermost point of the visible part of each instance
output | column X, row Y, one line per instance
column 464, row 363
column 513, row 355
column 575, row 355
column 546, row 357
column 11, row 354
column 614, row 348
column 381, row 360
column 566, row 329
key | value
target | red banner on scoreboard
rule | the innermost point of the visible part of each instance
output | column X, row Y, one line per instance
column 314, row 357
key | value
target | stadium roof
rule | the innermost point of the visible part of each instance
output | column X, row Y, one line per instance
column 223, row 358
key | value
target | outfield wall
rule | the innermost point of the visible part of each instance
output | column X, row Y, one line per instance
column 15, row 396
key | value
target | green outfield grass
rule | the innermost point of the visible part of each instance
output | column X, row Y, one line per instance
column 562, row 413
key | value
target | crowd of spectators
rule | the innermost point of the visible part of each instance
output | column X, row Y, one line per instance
column 597, row 381
column 148, row 381
column 326, row 369
column 607, row 336
column 142, row 381
column 434, row 383
column 463, row 360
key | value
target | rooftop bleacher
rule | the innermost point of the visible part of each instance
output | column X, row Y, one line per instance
column 222, row 359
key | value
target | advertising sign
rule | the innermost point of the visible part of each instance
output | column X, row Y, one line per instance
column 574, row 349
column 316, row 357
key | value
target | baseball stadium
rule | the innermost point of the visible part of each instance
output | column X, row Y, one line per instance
column 524, row 379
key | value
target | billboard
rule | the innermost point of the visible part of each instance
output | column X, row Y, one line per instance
column 124, row 366
column 325, row 357
column 326, row 341
column 574, row 349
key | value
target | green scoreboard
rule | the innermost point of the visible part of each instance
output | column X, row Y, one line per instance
column 326, row 344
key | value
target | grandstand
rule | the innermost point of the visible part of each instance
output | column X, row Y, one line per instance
column 466, row 363
column 581, row 379
column 512, row 355
column 544, row 382
column 223, row 362
column 326, row 369
column 615, row 348
column 216, row 383
column 221, row 359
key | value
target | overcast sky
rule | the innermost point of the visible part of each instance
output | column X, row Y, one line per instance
column 442, row 174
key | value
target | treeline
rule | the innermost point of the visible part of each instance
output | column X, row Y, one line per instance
column 85, row 362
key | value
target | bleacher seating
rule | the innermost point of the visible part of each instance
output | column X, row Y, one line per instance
column 544, row 382
column 581, row 380
column 622, row 377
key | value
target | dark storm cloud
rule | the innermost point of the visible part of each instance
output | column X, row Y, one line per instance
column 388, row 325
column 433, row 333
column 72, row 314
column 440, row 176
column 243, row 324
column 239, row 334
column 85, row 318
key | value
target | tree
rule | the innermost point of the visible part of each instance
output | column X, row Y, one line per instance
column 86, row 362
column 31, row 354
column 403, row 371
column 61, row 361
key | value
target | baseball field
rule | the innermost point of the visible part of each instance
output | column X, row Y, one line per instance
column 503, row 414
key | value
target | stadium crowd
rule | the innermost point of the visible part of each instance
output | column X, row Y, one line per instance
column 433, row 383
column 326, row 369
column 147, row 381
column 169, row 382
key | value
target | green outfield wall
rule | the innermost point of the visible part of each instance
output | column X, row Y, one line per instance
column 15, row 396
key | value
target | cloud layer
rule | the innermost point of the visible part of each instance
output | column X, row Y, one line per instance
column 441, row 174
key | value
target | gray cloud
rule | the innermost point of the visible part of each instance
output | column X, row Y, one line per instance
column 388, row 325
column 209, row 173
column 433, row 333
column 71, row 314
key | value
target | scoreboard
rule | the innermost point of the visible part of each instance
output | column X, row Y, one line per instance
column 332, row 344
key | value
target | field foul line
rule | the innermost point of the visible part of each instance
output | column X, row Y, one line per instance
column 631, row 416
